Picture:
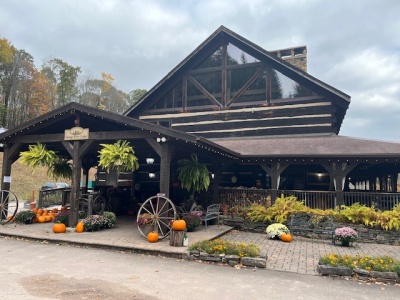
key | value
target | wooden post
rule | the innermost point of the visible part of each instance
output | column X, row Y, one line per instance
column 176, row 238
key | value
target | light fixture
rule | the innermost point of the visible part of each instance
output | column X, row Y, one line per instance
column 152, row 175
column 234, row 179
column 212, row 175
column 161, row 139
column 149, row 160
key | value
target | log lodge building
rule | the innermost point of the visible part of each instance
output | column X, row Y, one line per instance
column 260, row 122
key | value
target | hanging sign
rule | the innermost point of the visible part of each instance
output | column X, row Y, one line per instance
column 76, row 133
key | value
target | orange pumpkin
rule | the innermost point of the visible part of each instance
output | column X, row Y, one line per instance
column 54, row 210
column 59, row 228
column 41, row 219
column 39, row 211
column 80, row 227
column 286, row 237
column 64, row 209
column 179, row 225
column 152, row 237
column 48, row 218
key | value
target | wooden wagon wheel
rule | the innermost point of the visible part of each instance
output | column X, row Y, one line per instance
column 8, row 206
column 156, row 214
column 98, row 205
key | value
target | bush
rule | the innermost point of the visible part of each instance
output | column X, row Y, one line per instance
column 25, row 217
column 356, row 213
column 62, row 217
column 95, row 223
column 380, row 263
column 278, row 212
column 192, row 221
column 110, row 219
column 219, row 246
column 274, row 231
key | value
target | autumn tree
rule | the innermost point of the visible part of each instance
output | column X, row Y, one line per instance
column 135, row 95
column 13, row 63
column 64, row 77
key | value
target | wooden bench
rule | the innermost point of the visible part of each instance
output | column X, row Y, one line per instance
column 312, row 223
column 211, row 213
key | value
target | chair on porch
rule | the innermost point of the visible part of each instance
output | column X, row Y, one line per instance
column 211, row 213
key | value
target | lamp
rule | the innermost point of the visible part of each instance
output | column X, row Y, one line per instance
column 161, row 139
column 149, row 160
column 152, row 175
column 234, row 179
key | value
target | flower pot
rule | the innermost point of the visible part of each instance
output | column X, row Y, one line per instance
column 224, row 209
column 345, row 244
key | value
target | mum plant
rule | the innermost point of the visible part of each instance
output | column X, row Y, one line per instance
column 346, row 235
column 25, row 217
column 274, row 231
column 192, row 221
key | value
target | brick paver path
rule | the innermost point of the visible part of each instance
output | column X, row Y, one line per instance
column 302, row 255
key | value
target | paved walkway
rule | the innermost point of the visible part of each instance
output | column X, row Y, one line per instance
column 299, row 256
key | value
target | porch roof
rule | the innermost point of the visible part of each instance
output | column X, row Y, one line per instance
column 311, row 146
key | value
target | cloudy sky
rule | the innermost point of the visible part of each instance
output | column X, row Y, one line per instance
column 352, row 45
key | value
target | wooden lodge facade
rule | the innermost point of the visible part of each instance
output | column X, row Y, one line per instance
column 261, row 123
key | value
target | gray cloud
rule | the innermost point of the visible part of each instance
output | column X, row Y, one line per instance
column 352, row 45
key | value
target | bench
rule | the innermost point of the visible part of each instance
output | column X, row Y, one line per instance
column 312, row 223
column 211, row 213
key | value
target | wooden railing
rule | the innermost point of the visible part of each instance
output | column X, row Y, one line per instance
column 54, row 197
column 243, row 197
column 382, row 201
column 312, row 199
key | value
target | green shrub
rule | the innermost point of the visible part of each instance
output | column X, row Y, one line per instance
column 278, row 212
column 219, row 246
column 380, row 263
column 62, row 217
column 110, row 219
column 25, row 217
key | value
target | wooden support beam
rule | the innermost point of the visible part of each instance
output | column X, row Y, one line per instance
column 165, row 168
column 75, row 188
column 274, row 171
column 97, row 136
column 245, row 86
column 206, row 93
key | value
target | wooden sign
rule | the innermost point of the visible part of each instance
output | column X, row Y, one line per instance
column 76, row 133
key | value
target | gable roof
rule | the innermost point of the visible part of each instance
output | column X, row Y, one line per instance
column 55, row 122
column 212, row 43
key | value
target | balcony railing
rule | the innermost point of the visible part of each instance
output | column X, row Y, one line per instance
column 314, row 199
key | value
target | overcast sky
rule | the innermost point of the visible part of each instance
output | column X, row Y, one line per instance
column 353, row 45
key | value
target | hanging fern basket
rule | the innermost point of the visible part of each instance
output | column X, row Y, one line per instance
column 119, row 156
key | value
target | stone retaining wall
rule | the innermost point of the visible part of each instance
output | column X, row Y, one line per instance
column 366, row 234
column 388, row 277
column 232, row 260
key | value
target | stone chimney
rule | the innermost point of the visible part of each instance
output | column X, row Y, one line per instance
column 297, row 56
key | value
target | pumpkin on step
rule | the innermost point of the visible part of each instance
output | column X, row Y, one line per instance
column 80, row 227
column 286, row 238
column 152, row 237
column 59, row 228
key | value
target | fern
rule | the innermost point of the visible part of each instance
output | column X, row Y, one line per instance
column 119, row 155
column 194, row 176
column 38, row 155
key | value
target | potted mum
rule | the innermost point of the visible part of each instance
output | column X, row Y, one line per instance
column 274, row 231
column 345, row 235
column 192, row 221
